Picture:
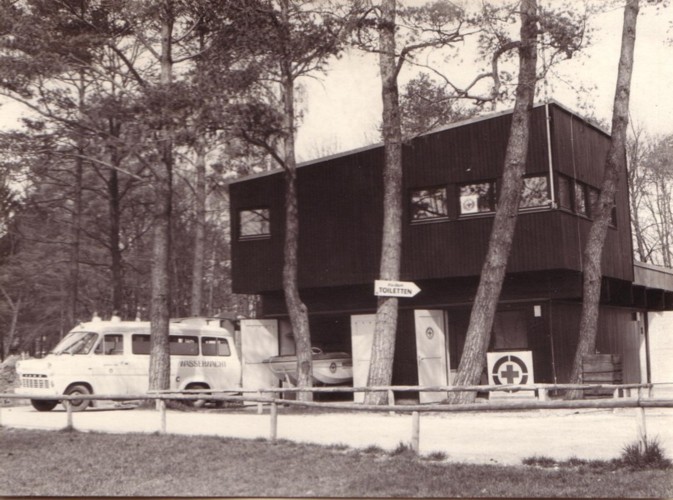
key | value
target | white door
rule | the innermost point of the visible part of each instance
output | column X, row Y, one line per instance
column 660, row 333
column 362, row 338
column 259, row 341
column 640, row 325
column 432, row 353
column 107, row 366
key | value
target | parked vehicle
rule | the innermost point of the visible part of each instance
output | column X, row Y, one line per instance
column 112, row 358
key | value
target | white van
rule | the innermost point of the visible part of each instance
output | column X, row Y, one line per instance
column 112, row 358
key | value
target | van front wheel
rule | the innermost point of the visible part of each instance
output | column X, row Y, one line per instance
column 78, row 404
column 43, row 404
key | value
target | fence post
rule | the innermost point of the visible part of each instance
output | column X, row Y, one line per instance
column 68, row 408
column 415, row 431
column 274, row 422
column 641, row 428
column 260, row 408
column 161, row 404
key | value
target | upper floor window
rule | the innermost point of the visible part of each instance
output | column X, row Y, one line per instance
column 565, row 196
column 535, row 192
column 254, row 223
column 477, row 198
column 428, row 204
column 594, row 194
column 581, row 199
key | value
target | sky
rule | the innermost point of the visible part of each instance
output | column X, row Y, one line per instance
column 343, row 108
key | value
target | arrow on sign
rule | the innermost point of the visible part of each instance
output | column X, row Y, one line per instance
column 395, row 288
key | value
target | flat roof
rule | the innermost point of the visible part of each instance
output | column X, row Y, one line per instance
column 442, row 128
column 651, row 276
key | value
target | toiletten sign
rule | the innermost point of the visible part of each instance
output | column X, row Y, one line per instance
column 395, row 288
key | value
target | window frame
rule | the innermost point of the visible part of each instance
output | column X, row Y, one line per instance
column 569, row 183
column 207, row 340
column 436, row 218
column 178, row 339
column 493, row 186
column 266, row 224
column 547, row 203
column 580, row 187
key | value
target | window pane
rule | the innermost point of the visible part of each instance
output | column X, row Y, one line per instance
column 476, row 198
column 535, row 193
column 140, row 344
column 254, row 222
column 212, row 346
column 113, row 344
column 593, row 200
column 613, row 213
column 564, row 190
column 580, row 199
column 183, row 346
column 428, row 204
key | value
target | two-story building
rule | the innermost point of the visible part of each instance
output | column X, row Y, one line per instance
column 451, row 186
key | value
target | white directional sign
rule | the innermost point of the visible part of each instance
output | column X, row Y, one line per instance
column 395, row 288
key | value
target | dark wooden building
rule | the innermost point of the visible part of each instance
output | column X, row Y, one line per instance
column 451, row 182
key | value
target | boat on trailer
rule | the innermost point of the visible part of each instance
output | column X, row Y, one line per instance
column 329, row 368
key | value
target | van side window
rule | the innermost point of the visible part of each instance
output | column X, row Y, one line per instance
column 183, row 345
column 215, row 346
column 140, row 344
column 112, row 344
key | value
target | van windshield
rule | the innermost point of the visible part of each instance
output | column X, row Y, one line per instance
column 76, row 343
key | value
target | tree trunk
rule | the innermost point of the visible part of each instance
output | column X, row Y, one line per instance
column 161, row 248
column 8, row 338
column 75, row 240
column 500, row 243
column 295, row 307
column 200, row 233
column 76, row 230
column 383, row 346
column 115, row 246
column 615, row 162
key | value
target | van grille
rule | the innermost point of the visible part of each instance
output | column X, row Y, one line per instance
column 34, row 381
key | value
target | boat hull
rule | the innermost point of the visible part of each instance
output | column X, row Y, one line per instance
column 328, row 368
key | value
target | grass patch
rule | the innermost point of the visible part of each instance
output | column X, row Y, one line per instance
column 649, row 456
column 44, row 463
column 634, row 457
column 436, row 456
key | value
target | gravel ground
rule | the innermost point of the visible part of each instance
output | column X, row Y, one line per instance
column 475, row 437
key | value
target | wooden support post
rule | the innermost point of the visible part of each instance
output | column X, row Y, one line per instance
column 641, row 428
column 68, row 408
column 391, row 400
column 260, row 408
column 415, row 431
column 274, row 422
column 161, row 404
column 542, row 394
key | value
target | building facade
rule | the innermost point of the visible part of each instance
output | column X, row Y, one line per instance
column 451, row 184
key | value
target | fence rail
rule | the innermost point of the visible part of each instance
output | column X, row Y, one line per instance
column 636, row 396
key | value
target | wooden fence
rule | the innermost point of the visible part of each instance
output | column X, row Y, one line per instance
column 637, row 396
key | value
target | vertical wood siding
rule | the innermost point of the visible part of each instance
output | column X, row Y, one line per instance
column 340, row 204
